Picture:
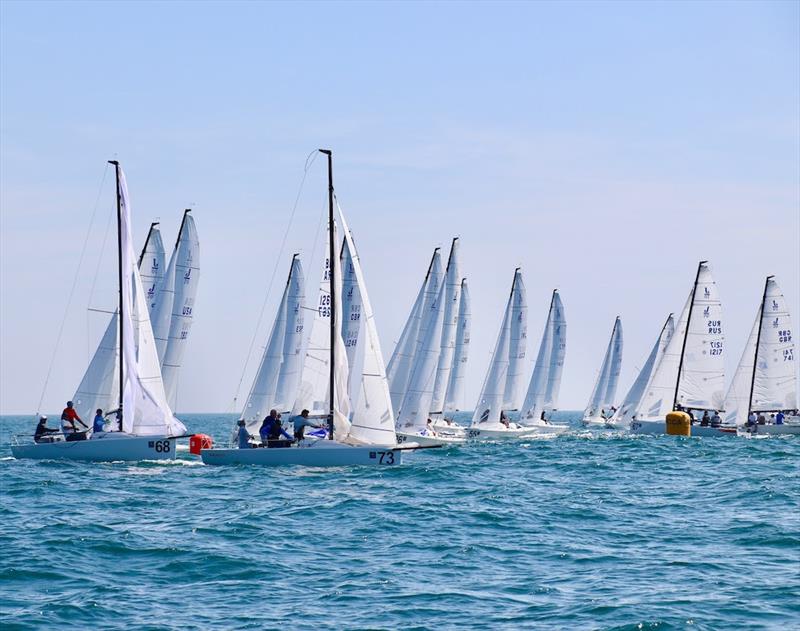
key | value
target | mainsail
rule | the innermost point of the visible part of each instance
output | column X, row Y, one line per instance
column 772, row 385
column 605, row 387
column 452, row 300
column 151, row 266
column 630, row 403
column 455, row 384
column 518, row 342
column 187, row 275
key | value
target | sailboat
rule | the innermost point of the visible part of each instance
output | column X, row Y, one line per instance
column 401, row 363
column 623, row 416
column 543, row 389
column 599, row 408
column 174, row 310
column 276, row 380
column 455, row 385
column 146, row 427
column 414, row 422
column 364, row 435
column 690, row 374
column 489, row 421
column 765, row 381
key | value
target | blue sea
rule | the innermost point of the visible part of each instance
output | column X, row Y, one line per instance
column 592, row 530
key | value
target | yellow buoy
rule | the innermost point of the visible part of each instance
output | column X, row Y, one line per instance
column 678, row 424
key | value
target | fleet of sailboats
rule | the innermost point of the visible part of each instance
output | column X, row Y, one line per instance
column 370, row 412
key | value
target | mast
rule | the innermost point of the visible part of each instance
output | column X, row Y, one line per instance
column 332, row 279
column 119, row 280
column 449, row 256
column 686, row 333
column 291, row 268
column 758, row 342
column 430, row 265
column 146, row 241
column 180, row 230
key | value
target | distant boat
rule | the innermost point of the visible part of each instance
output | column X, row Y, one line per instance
column 363, row 435
column 765, row 381
column 455, row 387
column 690, row 374
column 489, row 421
column 543, row 389
column 174, row 309
column 630, row 404
column 600, row 407
column 146, row 427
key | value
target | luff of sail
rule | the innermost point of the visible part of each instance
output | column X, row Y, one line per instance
column 605, row 386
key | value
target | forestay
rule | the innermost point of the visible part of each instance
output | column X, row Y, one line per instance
column 399, row 367
column 145, row 408
column 372, row 420
column 631, row 401
column 455, row 386
column 187, row 276
column 452, row 300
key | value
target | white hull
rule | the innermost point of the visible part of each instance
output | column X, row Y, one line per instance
column 659, row 427
column 541, row 427
column 113, row 446
column 594, row 421
column 774, row 430
column 453, row 429
column 502, row 433
column 320, row 453
column 430, row 441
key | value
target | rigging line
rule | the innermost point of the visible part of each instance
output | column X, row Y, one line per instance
column 309, row 161
column 72, row 291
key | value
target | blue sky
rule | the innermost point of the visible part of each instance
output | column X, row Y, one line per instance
column 605, row 147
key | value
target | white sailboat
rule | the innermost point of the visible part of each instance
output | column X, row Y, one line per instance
column 765, row 381
column 151, row 266
column 623, row 416
column 690, row 375
column 545, row 384
column 147, row 428
column 401, row 362
column 275, row 383
column 489, row 421
column 599, row 409
column 367, row 437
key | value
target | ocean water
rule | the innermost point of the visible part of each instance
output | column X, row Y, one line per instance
column 585, row 531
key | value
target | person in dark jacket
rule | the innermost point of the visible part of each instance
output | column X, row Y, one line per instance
column 43, row 430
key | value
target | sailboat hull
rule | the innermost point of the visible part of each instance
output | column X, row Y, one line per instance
column 594, row 421
column 658, row 427
column 511, row 433
column 430, row 441
column 111, row 447
column 786, row 429
column 321, row 453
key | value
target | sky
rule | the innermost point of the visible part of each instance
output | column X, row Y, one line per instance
column 604, row 147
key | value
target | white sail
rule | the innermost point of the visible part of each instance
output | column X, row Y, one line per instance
column 351, row 315
column 263, row 393
column 145, row 408
column 400, row 364
column 151, row 266
column 452, row 300
column 314, row 392
column 161, row 318
column 605, row 387
column 292, row 359
column 416, row 405
column 99, row 387
column 545, row 381
column 489, row 407
column 630, row 403
column 518, row 342
column 187, row 276
column 701, row 381
column 372, row 420
column 455, row 385
column 771, row 346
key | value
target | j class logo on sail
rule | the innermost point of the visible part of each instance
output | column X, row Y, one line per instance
column 187, row 276
column 151, row 291
column 785, row 336
column 706, row 292
column 774, row 305
column 716, row 348
column 154, row 267
column 324, row 306
column 715, row 327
